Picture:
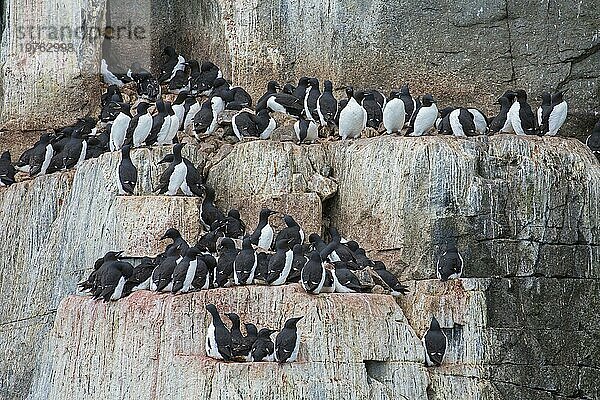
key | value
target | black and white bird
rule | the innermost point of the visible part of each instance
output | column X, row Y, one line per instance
column 312, row 276
column 179, row 82
column 424, row 117
column 90, row 284
column 170, row 127
column 287, row 342
column 227, row 256
column 205, row 265
column 389, row 280
column 435, row 343
column 111, row 279
column 544, row 109
column 40, row 156
column 298, row 262
column 72, row 154
column 140, row 125
column 232, row 226
column 147, row 86
column 209, row 213
column 410, row 105
column 593, row 140
column 265, row 124
column 185, row 271
column 374, row 110
column 272, row 88
column 127, row 172
column 353, row 117
column 7, row 171
column 480, row 121
column 263, row 348
column 240, row 351
column 300, row 90
column 345, row 281
column 244, row 125
column 174, row 177
column 142, row 275
column 461, row 122
column 307, row 130
column 557, row 115
column 500, row 120
column 292, row 233
column 288, row 88
column 202, row 120
column 286, row 104
column 160, row 122
column 162, row 276
column 191, row 108
column 450, row 264
column 244, row 265
column 118, row 129
column 180, row 107
column 521, row 117
column 311, row 97
column 394, row 114
column 204, row 82
column 218, row 337
column 263, row 234
column 327, row 105
column 280, row 263
column 329, row 285
column 174, row 63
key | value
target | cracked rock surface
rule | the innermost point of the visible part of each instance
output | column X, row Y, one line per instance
column 521, row 324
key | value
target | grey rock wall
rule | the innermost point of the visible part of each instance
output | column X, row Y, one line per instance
column 465, row 54
column 521, row 324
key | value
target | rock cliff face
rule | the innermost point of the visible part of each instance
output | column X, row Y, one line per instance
column 522, row 324
column 464, row 55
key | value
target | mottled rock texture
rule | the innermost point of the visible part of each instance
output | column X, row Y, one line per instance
column 157, row 346
column 524, row 211
column 464, row 54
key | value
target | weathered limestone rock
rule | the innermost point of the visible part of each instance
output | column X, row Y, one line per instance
column 57, row 225
column 149, row 344
column 517, row 205
column 323, row 186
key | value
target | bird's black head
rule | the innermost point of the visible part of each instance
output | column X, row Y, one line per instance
column 266, row 213
column 558, row 97
column 177, row 149
column 233, row 213
column 247, row 243
column 359, row 96
column 193, row 64
column 404, row 89
column 378, row 265
column 265, row 333
column 220, row 82
column 142, row 107
column 112, row 255
column 272, row 87
column 369, row 96
column 352, row 245
column 428, row 100
column 227, row 243
column 435, row 325
column 510, row 95
column 328, row 86
column 233, row 317
column 170, row 51
column 211, row 308
column 446, row 111
column 503, row 101
column 546, row 98
column 349, row 92
column 288, row 88
column 521, row 95
column 251, row 329
column 314, row 238
column 313, row 82
column 207, row 66
column 394, row 94
column 303, row 81
column 291, row 323
column 125, row 151
column 171, row 233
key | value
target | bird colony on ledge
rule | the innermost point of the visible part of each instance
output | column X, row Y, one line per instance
column 157, row 121
column 226, row 254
